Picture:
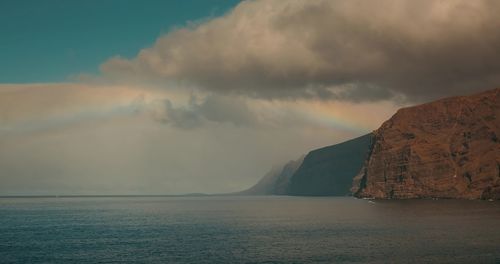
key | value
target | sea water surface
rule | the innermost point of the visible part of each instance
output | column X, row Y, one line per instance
column 266, row 229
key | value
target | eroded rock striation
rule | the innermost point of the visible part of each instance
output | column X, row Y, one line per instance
column 444, row 149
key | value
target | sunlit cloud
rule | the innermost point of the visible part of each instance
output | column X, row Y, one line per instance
column 330, row 50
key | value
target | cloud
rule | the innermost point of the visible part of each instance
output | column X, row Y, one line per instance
column 44, row 103
column 212, row 108
column 343, row 50
column 39, row 107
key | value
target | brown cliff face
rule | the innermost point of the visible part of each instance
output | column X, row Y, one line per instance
column 445, row 149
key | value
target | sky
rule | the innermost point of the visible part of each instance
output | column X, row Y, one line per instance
column 53, row 40
column 171, row 97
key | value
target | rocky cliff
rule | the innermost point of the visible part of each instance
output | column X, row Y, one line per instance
column 282, row 182
column 322, row 172
column 330, row 170
column 445, row 149
column 276, row 181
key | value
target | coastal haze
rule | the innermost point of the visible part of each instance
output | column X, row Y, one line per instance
column 264, row 131
column 219, row 93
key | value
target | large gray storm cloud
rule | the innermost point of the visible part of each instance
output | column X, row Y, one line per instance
column 352, row 50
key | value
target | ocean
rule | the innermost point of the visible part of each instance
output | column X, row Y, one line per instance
column 260, row 229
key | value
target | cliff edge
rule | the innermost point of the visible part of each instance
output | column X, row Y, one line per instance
column 444, row 149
